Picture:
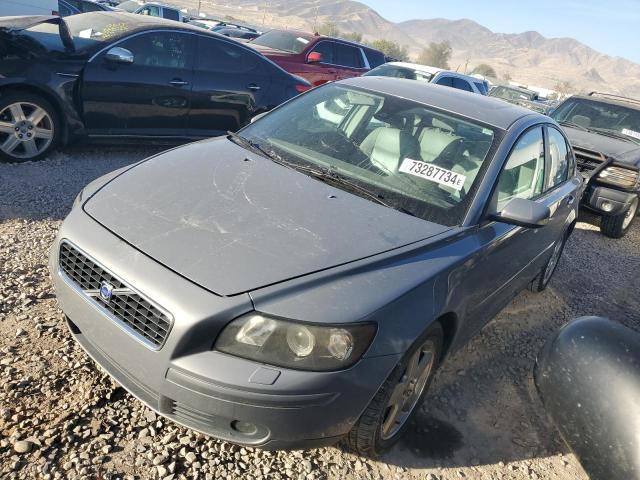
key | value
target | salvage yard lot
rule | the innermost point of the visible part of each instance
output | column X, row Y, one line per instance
column 479, row 419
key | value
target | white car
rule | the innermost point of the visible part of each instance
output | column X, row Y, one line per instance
column 427, row 74
column 162, row 11
column 10, row 8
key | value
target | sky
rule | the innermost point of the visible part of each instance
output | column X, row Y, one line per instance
column 609, row 26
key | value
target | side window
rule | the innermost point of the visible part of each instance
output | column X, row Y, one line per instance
column 559, row 158
column 348, row 56
column 91, row 7
column 523, row 174
column 219, row 56
column 151, row 11
column 326, row 50
column 461, row 84
column 445, row 81
column 170, row 14
column 374, row 57
column 159, row 49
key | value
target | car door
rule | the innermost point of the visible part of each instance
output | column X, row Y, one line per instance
column 150, row 96
column 349, row 61
column 325, row 70
column 509, row 256
column 230, row 84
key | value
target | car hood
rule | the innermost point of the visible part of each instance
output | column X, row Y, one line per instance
column 624, row 151
column 232, row 221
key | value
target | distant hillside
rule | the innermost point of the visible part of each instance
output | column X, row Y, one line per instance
column 527, row 57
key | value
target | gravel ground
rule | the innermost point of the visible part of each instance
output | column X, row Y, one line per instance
column 61, row 417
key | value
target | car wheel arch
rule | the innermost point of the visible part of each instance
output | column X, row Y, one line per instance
column 48, row 96
column 449, row 323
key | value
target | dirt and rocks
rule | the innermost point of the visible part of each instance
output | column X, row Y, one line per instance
column 62, row 418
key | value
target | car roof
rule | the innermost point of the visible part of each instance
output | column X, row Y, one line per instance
column 145, row 22
column 433, row 70
column 488, row 110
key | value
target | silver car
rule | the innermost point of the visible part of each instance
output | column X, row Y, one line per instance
column 299, row 282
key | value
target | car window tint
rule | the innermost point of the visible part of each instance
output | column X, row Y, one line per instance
column 91, row 7
column 374, row 57
column 523, row 174
column 482, row 87
column 326, row 50
column 170, row 14
column 159, row 49
column 66, row 10
column 559, row 158
column 445, row 81
column 219, row 56
column 461, row 84
column 151, row 11
column 348, row 56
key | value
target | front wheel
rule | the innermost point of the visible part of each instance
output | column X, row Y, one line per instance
column 617, row 226
column 385, row 418
column 29, row 127
column 542, row 280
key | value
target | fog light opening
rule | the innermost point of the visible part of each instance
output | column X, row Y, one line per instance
column 607, row 206
column 245, row 428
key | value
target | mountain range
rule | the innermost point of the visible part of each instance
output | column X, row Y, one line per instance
column 528, row 58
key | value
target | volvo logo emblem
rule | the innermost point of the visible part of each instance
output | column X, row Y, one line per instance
column 106, row 291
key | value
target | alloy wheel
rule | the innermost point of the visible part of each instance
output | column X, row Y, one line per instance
column 553, row 261
column 408, row 391
column 631, row 213
column 26, row 130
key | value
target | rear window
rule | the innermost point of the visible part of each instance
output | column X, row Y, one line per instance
column 348, row 56
column 286, row 41
column 170, row 14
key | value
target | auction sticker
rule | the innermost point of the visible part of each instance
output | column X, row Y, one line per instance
column 631, row 133
column 431, row 172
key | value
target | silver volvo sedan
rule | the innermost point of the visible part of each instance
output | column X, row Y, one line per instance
column 299, row 282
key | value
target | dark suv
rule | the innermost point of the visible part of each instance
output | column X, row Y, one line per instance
column 605, row 133
column 317, row 58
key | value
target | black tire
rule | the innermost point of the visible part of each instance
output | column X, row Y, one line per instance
column 365, row 438
column 541, row 282
column 617, row 226
column 43, row 146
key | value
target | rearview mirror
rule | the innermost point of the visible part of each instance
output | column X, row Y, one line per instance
column 314, row 57
column 119, row 55
column 524, row 213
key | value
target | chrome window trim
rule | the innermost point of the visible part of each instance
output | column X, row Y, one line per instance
column 91, row 301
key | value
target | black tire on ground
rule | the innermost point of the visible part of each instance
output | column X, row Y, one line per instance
column 50, row 125
column 617, row 226
column 541, row 282
column 365, row 438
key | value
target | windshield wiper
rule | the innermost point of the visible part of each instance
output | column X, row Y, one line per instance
column 573, row 125
column 325, row 175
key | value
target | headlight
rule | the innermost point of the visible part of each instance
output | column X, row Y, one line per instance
column 295, row 345
column 619, row 176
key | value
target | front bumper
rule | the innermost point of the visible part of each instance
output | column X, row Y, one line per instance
column 607, row 201
column 185, row 380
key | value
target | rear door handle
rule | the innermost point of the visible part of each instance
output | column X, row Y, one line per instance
column 178, row 83
column 570, row 200
column 254, row 87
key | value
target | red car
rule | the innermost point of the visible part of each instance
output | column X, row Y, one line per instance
column 317, row 58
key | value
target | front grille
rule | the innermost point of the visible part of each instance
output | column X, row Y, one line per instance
column 588, row 160
column 126, row 306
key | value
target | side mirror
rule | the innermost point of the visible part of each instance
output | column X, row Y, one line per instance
column 524, row 213
column 119, row 55
column 258, row 117
column 314, row 57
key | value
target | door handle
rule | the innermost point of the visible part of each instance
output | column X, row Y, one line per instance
column 178, row 83
column 570, row 200
column 254, row 87
column 331, row 70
